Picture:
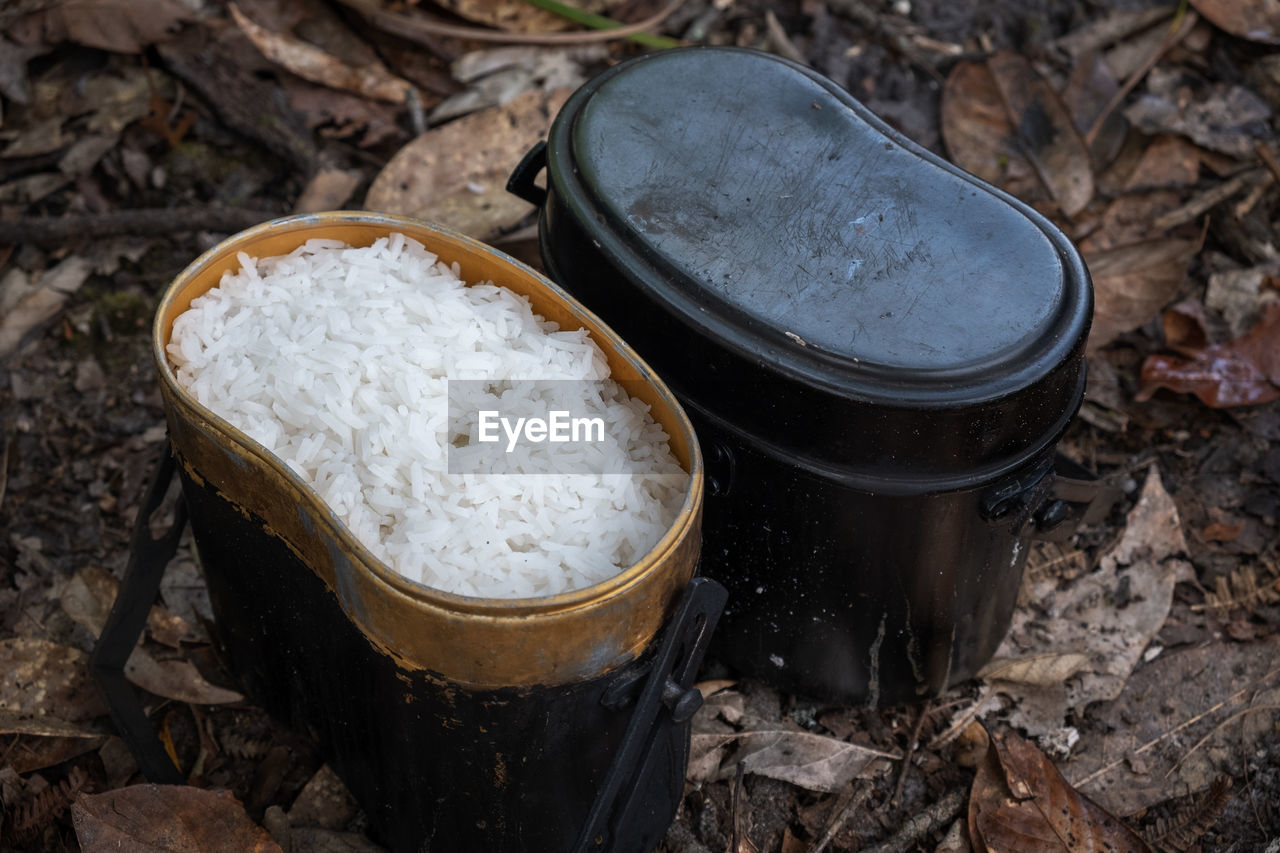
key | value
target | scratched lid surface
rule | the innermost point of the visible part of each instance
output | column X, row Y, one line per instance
column 798, row 270
column 779, row 205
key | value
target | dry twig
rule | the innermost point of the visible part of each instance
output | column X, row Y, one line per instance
column 910, row 751
column 1191, row 721
column 1268, row 158
column 418, row 26
column 845, row 805
column 1183, row 27
column 1210, row 198
column 942, row 812
column 149, row 221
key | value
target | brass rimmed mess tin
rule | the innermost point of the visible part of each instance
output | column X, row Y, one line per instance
column 458, row 723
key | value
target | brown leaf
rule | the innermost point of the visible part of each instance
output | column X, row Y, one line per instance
column 1045, row 668
column 1044, row 128
column 323, row 802
column 1241, row 372
column 812, row 761
column 171, row 818
column 1111, row 614
column 328, row 189
column 1089, row 90
column 979, row 136
column 1127, row 220
column 1217, row 116
column 1132, row 283
column 123, row 26
column 1020, row 802
column 341, row 115
column 1186, row 327
column 1169, row 161
column 87, row 599
column 311, row 63
column 37, row 753
column 456, row 174
column 1221, row 531
column 46, row 679
column 1255, row 20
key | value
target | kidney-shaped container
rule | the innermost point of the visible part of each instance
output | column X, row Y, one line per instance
column 878, row 351
column 557, row 723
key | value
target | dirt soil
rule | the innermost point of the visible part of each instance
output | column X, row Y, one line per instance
column 98, row 128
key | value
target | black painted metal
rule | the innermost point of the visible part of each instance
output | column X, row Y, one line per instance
column 439, row 766
column 147, row 560
column 621, row 811
column 879, row 353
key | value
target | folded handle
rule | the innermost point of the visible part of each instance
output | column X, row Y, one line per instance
column 1077, row 496
column 148, row 559
column 668, row 684
column 521, row 181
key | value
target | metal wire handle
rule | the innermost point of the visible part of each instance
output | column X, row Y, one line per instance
column 148, row 558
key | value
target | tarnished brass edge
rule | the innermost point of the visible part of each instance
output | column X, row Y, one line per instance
column 475, row 642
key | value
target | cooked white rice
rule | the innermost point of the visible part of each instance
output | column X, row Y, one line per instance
column 336, row 358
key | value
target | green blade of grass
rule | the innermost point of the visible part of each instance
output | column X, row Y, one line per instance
column 599, row 22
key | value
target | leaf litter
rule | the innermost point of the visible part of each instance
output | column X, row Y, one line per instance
column 1016, row 112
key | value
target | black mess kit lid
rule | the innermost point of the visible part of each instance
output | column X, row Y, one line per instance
column 807, row 277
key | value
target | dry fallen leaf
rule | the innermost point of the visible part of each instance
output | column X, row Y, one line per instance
column 1089, row 90
column 456, row 174
column 26, row 305
column 1230, row 119
column 1239, row 295
column 1127, row 221
column 1045, row 131
column 1241, row 372
column 1045, row 668
column 328, row 189
column 1020, row 802
column 123, row 26
column 87, row 599
column 1111, row 615
column 1255, row 20
column 1132, row 283
column 323, row 802
column 812, row 761
column 341, row 115
column 1001, row 121
column 311, row 63
column 167, row 818
column 979, row 135
column 47, row 679
column 1169, row 161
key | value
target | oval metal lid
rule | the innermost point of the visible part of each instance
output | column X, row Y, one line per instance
column 787, row 222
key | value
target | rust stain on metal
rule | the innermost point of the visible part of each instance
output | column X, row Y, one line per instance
column 499, row 771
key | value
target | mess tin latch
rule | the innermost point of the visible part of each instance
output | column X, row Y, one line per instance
column 1054, row 497
column 667, row 683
